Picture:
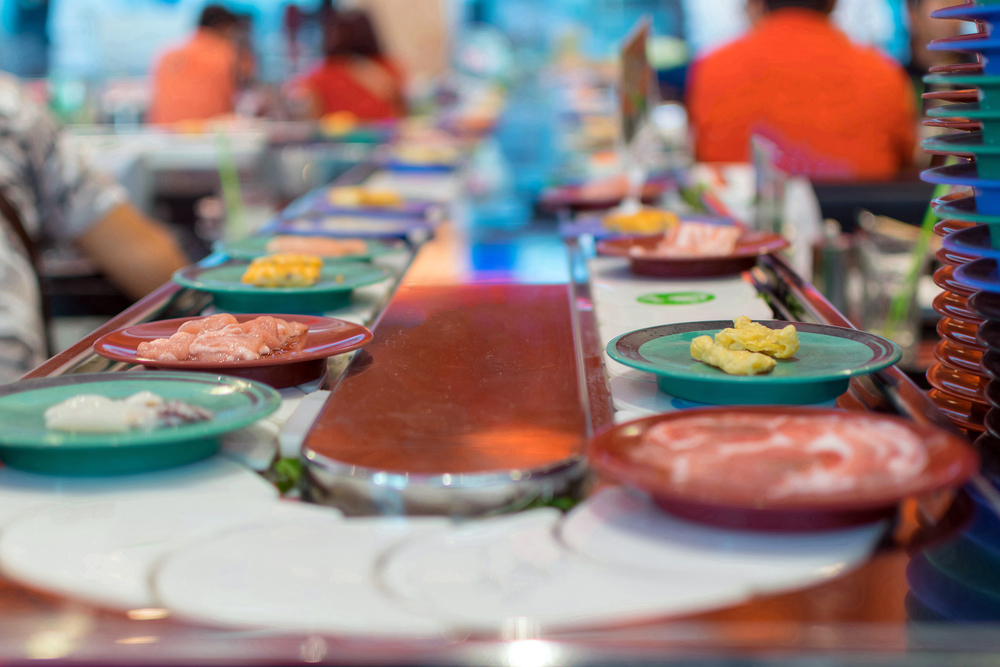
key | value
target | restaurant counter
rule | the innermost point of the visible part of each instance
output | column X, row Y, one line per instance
column 485, row 380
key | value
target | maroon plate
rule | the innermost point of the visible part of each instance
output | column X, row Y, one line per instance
column 749, row 247
column 304, row 362
column 598, row 197
column 951, row 462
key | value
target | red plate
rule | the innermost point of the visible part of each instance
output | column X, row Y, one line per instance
column 951, row 462
column 597, row 196
column 749, row 247
column 305, row 362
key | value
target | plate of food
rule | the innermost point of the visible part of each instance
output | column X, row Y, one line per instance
column 425, row 157
column 117, row 423
column 369, row 201
column 284, row 283
column 351, row 225
column 598, row 194
column 775, row 468
column 324, row 247
column 742, row 362
column 278, row 350
column 693, row 249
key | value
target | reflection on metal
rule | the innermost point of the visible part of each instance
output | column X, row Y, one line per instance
column 467, row 402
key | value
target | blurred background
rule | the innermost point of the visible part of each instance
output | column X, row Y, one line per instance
column 532, row 81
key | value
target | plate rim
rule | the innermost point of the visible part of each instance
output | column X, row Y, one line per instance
column 763, row 248
column 970, row 273
column 100, row 348
column 967, row 458
column 952, row 242
column 313, row 225
column 642, row 365
column 269, row 401
column 224, row 248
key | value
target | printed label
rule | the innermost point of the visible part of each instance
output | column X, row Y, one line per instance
column 676, row 298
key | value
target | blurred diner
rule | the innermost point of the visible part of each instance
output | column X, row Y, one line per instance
column 835, row 110
column 355, row 76
column 197, row 80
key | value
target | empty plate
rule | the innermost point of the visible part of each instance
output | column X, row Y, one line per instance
column 626, row 530
column 310, row 573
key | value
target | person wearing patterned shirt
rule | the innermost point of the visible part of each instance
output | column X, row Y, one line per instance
column 47, row 192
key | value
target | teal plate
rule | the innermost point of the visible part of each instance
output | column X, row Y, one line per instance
column 963, row 209
column 827, row 359
column 256, row 246
column 27, row 444
column 231, row 295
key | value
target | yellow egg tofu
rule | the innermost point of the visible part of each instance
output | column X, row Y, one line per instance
column 284, row 270
column 755, row 337
column 644, row 221
column 733, row 362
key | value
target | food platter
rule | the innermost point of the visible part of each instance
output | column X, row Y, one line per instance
column 304, row 362
column 318, row 203
column 597, row 195
column 253, row 247
column 820, row 371
column 351, row 225
column 27, row 444
column 333, row 290
column 741, row 502
column 749, row 247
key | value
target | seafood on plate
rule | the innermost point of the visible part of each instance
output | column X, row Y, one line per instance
column 93, row 413
column 755, row 337
column 643, row 221
column 221, row 338
column 353, row 196
column 733, row 362
column 321, row 246
column 691, row 240
column 783, row 456
column 284, row 270
column 425, row 154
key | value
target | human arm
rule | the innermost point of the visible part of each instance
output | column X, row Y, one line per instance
column 134, row 252
column 59, row 195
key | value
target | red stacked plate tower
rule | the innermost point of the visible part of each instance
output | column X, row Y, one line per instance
column 966, row 377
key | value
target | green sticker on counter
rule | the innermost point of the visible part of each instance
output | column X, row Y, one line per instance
column 676, row 298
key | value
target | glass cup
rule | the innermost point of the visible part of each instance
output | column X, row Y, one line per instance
column 889, row 305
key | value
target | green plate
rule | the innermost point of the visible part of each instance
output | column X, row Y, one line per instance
column 975, row 80
column 229, row 294
column 256, row 246
column 26, row 443
column 963, row 209
column 821, row 370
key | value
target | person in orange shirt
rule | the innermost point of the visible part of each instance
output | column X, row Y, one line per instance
column 197, row 81
column 835, row 110
column 355, row 76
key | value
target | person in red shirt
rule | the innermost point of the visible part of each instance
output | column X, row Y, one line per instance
column 355, row 76
column 835, row 110
column 197, row 81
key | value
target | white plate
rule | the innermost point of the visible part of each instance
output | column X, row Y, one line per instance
column 306, row 575
column 496, row 574
column 103, row 551
column 22, row 492
column 624, row 530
